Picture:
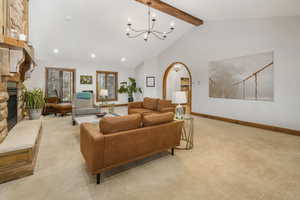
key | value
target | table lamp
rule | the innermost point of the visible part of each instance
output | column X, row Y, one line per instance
column 103, row 94
column 179, row 97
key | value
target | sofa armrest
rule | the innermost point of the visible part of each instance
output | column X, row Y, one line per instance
column 92, row 146
column 138, row 104
column 168, row 109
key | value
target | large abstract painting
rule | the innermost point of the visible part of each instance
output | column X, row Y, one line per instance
column 247, row 77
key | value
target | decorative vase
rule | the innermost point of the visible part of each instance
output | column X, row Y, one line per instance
column 111, row 108
column 179, row 112
column 130, row 99
column 34, row 113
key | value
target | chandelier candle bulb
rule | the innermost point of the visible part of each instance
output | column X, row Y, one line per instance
column 93, row 55
column 129, row 22
column 127, row 31
column 172, row 25
column 153, row 17
column 56, row 51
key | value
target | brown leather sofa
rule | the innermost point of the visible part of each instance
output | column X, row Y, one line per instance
column 119, row 140
column 150, row 105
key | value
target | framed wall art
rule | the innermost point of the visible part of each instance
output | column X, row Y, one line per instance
column 86, row 80
column 247, row 77
column 150, row 81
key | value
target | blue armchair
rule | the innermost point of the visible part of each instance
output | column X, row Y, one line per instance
column 83, row 104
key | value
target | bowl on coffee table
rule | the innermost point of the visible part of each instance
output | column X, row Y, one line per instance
column 100, row 115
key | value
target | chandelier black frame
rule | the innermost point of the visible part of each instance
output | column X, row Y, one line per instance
column 134, row 33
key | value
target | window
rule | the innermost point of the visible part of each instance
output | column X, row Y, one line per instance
column 60, row 83
column 109, row 81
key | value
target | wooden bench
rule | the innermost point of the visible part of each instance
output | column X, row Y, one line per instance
column 18, row 152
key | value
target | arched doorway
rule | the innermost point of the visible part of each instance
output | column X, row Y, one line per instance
column 185, row 82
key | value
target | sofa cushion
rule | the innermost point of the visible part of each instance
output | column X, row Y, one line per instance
column 122, row 123
column 156, row 119
column 150, row 103
column 139, row 110
column 161, row 104
column 168, row 109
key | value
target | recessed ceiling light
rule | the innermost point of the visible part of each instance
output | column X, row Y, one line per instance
column 93, row 55
column 56, row 51
column 68, row 18
column 123, row 59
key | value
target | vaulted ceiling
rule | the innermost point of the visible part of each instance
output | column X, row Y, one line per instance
column 78, row 28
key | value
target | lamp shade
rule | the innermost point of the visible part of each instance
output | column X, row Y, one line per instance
column 104, row 92
column 179, row 97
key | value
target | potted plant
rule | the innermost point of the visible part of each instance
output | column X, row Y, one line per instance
column 130, row 89
column 34, row 102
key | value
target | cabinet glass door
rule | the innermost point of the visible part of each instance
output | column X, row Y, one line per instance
column 60, row 83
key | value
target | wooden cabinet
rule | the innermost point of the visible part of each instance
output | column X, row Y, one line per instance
column 185, row 86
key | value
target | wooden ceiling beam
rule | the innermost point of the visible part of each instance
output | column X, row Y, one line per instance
column 170, row 10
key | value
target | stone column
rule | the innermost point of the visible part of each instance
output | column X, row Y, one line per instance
column 3, row 112
column 20, row 102
column 4, row 71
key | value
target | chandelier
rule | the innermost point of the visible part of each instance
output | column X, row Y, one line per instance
column 134, row 33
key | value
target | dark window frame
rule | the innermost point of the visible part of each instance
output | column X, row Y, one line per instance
column 97, row 85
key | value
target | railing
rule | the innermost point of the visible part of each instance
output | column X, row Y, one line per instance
column 243, row 82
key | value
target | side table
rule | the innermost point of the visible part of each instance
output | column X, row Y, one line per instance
column 187, row 133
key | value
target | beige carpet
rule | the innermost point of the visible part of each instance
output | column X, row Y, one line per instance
column 228, row 162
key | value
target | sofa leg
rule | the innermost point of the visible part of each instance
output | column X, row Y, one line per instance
column 172, row 151
column 98, row 178
column 73, row 122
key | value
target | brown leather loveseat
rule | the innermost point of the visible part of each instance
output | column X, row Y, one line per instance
column 120, row 140
column 150, row 105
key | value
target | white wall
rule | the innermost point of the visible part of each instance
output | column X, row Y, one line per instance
column 218, row 40
column 147, row 68
column 37, row 79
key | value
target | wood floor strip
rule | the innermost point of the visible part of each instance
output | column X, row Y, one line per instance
column 251, row 124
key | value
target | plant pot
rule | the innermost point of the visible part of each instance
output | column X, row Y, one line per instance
column 130, row 99
column 34, row 113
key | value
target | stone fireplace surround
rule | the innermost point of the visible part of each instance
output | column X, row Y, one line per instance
column 18, row 147
column 3, row 110
column 12, row 105
column 4, row 96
